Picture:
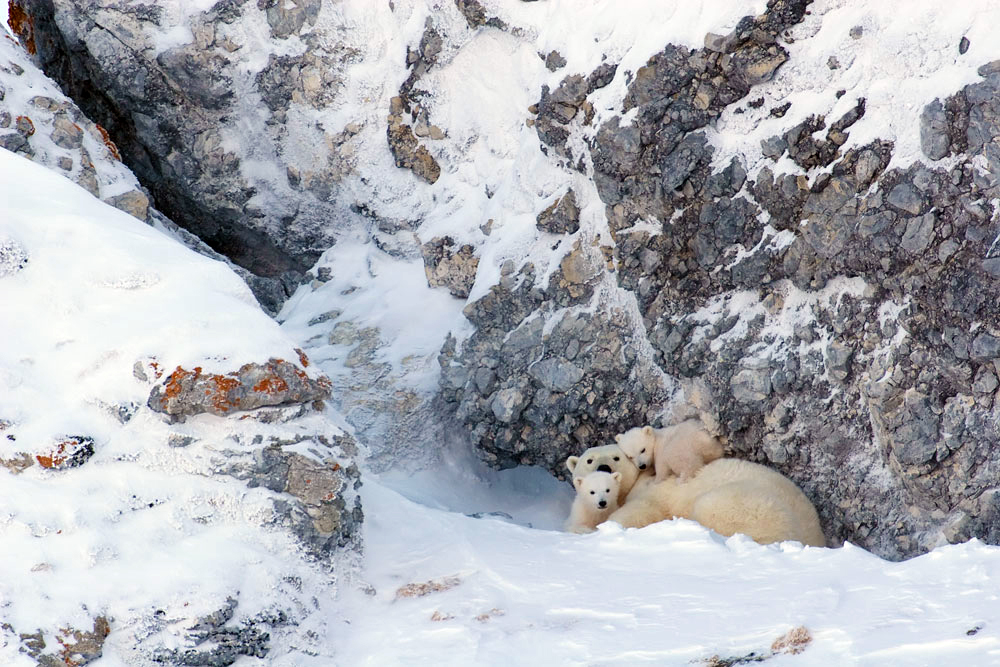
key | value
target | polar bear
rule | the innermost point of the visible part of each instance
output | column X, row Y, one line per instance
column 681, row 449
column 729, row 496
column 596, row 498
column 608, row 458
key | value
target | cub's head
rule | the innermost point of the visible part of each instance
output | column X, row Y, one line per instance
column 637, row 443
column 609, row 458
column 599, row 489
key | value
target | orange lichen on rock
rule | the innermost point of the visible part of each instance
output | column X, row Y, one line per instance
column 303, row 359
column 24, row 121
column 106, row 138
column 276, row 382
column 69, row 452
column 22, row 25
column 223, row 385
column 271, row 385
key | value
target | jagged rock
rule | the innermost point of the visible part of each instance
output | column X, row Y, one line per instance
column 217, row 644
column 167, row 110
column 536, row 394
column 884, row 375
column 277, row 382
column 326, row 513
column 448, row 267
column 77, row 647
column 67, row 452
column 406, row 150
column 562, row 217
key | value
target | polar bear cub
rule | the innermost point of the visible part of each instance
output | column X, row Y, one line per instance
column 607, row 458
column 682, row 449
column 596, row 498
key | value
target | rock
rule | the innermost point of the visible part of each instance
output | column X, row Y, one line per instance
column 562, row 217
column 448, row 266
column 276, row 382
column 934, row 131
column 76, row 647
column 906, row 199
column 67, row 452
column 133, row 202
column 554, row 61
column 324, row 511
column 407, row 151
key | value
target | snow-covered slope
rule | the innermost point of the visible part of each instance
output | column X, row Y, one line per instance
column 108, row 513
column 462, row 565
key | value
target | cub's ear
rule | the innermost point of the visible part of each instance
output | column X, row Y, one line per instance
column 617, row 476
column 618, row 438
column 648, row 430
column 571, row 462
column 578, row 482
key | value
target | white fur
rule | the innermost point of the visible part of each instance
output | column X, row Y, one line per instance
column 681, row 449
column 611, row 456
column 596, row 498
column 729, row 496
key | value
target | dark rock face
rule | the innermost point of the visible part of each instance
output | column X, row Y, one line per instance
column 847, row 341
column 562, row 217
column 532, row 396
column 169, row 109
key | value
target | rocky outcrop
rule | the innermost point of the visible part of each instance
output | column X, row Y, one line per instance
column 448, row 266
column 277, row 382
column 38, row 122
column 835, row 327
column 324, row 511
column 168, row 108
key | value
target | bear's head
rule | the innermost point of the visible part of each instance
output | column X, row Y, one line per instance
column 599, row 490
column 608, row 458
column 638, row 443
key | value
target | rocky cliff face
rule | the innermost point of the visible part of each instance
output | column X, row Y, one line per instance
column 709, row 229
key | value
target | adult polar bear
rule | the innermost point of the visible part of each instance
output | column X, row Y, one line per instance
column 729, row 496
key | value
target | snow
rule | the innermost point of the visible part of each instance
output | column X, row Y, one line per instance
column 900, row 62
column 143, row 527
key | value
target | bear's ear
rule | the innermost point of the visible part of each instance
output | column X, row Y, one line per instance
column 617, row 476
column 618, row 438
column 647, row 430
column 571, row 462
column 578, row 482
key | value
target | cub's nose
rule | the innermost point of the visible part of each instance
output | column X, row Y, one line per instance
column 604, row 467
column 642, row 467
column 602, row 504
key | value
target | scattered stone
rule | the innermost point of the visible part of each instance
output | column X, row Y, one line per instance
column 446, row 266
column 67, row 452
column 562, row 217
column 554, row 61
column 963, row 46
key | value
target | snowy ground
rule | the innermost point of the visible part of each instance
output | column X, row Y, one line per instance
column 503, row 585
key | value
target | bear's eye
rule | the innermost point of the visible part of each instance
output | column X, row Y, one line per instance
column 607, row 490
column 591, row 493
column 643, row 451
column 589, row 461
column 617, row 459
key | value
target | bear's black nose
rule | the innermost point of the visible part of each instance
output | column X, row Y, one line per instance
column 602, row 504
column 642, row 467
column 604, row 467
